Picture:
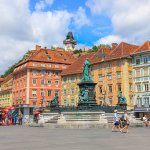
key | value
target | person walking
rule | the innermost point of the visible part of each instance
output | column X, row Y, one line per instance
column 126, row 122
column 20, row 118
column 116, row 121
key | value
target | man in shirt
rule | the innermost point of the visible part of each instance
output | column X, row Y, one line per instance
column 116, row 120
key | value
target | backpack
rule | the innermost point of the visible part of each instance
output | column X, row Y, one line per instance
column 122, row 117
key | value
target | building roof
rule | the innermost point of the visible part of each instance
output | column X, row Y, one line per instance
column 144, row 47
column 122, row 50
column 77, row 66
column 100, row 55
column 51, row 56
column 1, row 79
column 7, row 78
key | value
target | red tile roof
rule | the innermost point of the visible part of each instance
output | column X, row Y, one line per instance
column 52, row 56
column 1, row 79
column 143, row 47
column 100, row 55
column 122, row 50
column 7, row 78
column 77, row 66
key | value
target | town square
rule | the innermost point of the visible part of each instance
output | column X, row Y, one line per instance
column 74, row 74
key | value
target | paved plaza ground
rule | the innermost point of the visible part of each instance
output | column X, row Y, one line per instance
column 38, row 138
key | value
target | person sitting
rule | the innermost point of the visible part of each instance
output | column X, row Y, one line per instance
column 116, row 121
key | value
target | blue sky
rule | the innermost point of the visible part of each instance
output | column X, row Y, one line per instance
column 25, row 23
column 100, row 25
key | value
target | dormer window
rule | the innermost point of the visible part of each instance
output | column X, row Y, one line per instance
column 138, row 61
column 145, row 60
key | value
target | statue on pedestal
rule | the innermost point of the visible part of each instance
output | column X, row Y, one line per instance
column 86, row 71
column 54, row 100
column 121, row 99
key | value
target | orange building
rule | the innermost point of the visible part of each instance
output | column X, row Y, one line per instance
column 37, row 78
column 113, row 73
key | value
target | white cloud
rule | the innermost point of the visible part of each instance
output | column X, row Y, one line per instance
column 80, row 18
column 21, row 29
column 130, row 19
column 42, row 4
column 110, row 39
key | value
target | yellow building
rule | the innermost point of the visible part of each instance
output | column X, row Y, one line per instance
column 112, row 71
column 6, row 91
column 70, row 79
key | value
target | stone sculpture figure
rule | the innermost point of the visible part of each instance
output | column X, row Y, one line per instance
column 121, row 99
column 86, row 71
column 83, row 97
column 54, row 101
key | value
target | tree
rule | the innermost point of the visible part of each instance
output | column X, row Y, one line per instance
column 96, row 48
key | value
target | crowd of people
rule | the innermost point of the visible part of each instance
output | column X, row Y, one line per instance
column 121, row 122
column 6, row 118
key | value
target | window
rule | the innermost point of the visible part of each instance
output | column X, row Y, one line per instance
column 72, row 79
column 34, row 93
column 99, row 66
column 49, row 65
column 56, row 92
column 139, row 102
column 49, row 82
column 109, row 65
column 65, row 92
column 33, row 104
column 100, row 77
column 34, row 64
column 109, row 76
column 72, row 102
column 130, row 74
column 42, row 93
column 72, row 91
column 146, row 87
column 64, row 79
column 137, row 61
column 42, row 65
column 118, row 63
column 145, row 60
column 119, row 87
column 110, row 88
column 49, row 92
column 42, row 82
column 100, row 100
column 50, row 73
column 118, row 75
column 56, row 82
column 100, row 89
column 56, row 73
column 138, row 86
column 43, row 72
column 110, row 101
column 33, row 81
column 130, row 87
column 56, row 66
column 34, row 72
column 145, row 70
column 65, row 102
column 146, row 102
column 137, row 73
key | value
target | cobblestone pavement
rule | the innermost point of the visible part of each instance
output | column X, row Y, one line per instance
column 38, row 138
